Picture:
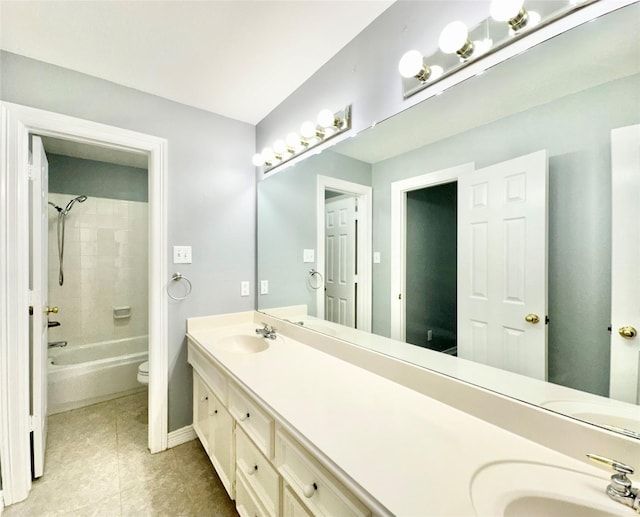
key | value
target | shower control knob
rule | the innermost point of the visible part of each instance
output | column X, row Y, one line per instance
column 49, row 310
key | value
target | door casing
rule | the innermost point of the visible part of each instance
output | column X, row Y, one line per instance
column 18, row 123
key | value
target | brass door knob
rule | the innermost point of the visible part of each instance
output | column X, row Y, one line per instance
column 628, row 332
column 532, row 318
column 49, row 310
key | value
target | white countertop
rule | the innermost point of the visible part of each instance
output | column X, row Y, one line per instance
column 414, row 455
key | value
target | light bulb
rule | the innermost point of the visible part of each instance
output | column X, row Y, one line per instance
column 293, row 140
column 326, row 118
column 308, row 129
column 279, row 147
column 505, row 10
column 267, row 155
column 534, row 18
column 483, row 45
column 455, row 38
column 257, row 160
column 436, row 72
column 411, row 64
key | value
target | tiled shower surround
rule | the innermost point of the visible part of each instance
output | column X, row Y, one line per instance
column 105, row 267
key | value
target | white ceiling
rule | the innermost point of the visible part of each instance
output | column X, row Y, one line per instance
column 236, row 58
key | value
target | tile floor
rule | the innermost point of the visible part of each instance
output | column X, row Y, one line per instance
column 97, row 464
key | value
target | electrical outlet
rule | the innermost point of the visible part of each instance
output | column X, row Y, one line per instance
column 182, row 254
column 264, row 286
column 429, row 335
column 244, row 288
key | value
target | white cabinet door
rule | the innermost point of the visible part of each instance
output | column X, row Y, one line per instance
column 502, row 265
column 625, row 262
column 40, row 289
column 222, row 443
column 340, row 261
column 201, row 397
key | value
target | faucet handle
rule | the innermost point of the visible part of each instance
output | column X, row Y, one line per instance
column 618, row 466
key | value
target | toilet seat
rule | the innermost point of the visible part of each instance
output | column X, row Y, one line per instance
column 143, row 373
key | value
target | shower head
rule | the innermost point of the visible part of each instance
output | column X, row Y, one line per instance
column 79, row 199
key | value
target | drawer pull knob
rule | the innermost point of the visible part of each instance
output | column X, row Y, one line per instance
column 309, row 490
column 252, row 470
column 244, row 417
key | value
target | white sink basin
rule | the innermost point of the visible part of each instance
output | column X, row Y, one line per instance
column 605, row 414
column 518, row 489
column 242, row 344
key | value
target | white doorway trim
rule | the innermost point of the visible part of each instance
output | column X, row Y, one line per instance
column 18, row 123
column 399, row 190
column 364, row 194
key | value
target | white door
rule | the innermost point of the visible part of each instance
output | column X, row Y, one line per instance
column 625, row 264
column 340, row 260
column 39, row 287
column 502, row 265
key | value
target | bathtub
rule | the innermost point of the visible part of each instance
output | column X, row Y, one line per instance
column 86, row 374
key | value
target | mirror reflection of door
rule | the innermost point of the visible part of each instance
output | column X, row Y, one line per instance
column 341, row 232
column 499, row 219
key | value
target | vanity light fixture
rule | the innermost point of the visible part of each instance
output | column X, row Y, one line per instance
column 458, row 45
column 454, row 38
column 329, row 124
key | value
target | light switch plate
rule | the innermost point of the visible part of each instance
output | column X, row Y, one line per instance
column 182, row 254
column 376, row 257
column 308, row 255
column 264, row 286
column 244, row 288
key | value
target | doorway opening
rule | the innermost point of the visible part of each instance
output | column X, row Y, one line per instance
column 16, row 416
column 431, row 267
column 344, row 236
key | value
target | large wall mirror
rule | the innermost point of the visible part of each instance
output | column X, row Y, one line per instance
column 416, row 191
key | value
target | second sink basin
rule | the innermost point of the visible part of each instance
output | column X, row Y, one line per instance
column 520, row 489
column 242, row 344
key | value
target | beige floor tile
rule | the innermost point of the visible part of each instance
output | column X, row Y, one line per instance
column 97, row 465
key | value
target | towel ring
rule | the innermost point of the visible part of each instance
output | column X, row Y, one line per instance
column 313, row 273
column 176, row 277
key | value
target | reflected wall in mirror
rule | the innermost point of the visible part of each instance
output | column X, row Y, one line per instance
column 551, row 99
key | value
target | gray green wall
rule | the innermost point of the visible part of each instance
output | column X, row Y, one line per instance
column 431, row 272
column 287, row 215
column 69, row 175
column 575, row 131
column 211, row 190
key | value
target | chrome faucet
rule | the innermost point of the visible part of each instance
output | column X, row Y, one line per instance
column 56, row 344
column 267, row 331
column 620, row 489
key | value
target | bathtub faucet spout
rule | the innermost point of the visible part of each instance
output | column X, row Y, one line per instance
column 56, row 344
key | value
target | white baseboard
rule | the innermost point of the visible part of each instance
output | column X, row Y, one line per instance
column 180, row 436
column 1, row 502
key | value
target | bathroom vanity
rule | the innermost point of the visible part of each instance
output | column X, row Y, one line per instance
column 295, row 428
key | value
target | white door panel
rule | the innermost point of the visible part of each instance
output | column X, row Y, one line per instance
column 502, row 265
column 625, row 262
column 340, row 248
column 40, row 286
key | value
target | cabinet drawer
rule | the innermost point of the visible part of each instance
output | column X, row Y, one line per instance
column 291, row 507
column 312, row 483
column 254, row 420
column 247, row 504
column 260, row 474
column 213, row 376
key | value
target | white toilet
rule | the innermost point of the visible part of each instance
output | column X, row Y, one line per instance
column 143, row 373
